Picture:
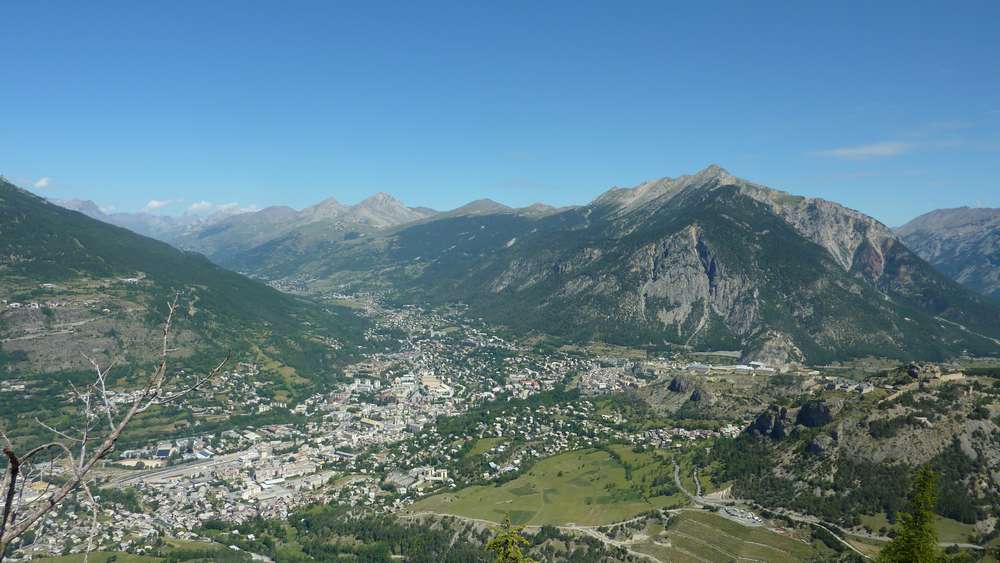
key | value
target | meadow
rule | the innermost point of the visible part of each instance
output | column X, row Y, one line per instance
column 585, row 487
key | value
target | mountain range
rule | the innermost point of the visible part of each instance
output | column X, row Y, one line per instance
column 703, row 261
column 963, row 243
column 161, row 227
column 105, row 289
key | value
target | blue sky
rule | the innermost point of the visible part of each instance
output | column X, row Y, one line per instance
column 892, row 108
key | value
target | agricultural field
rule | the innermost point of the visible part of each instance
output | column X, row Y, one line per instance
column 585, row 487
column 694, row 535
column 949, row 531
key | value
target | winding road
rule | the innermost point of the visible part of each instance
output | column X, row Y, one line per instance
column 801, row 518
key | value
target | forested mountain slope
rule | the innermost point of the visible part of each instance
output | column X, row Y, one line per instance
column 707, row 261
column 72, row 285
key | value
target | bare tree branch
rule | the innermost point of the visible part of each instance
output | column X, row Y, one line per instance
column 95, row 406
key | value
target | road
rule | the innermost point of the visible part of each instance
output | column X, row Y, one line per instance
column 702, row 501
column 803, row 519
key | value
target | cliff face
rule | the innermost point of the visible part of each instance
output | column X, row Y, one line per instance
column 962, row 243
column 706, row 261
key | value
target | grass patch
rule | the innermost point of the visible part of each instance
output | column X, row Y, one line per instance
column 483, row 445
column 949, row 531
column 584, row 487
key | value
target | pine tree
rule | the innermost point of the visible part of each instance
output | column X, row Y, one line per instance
column 916, row 539
column 507, row 544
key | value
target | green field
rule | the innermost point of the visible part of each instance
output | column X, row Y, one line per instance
column 483, row 445
column 585, row 487
column 702, row 536
column 949, row 531
column 993, row 550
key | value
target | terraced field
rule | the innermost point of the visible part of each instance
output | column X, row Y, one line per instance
column 695, row 536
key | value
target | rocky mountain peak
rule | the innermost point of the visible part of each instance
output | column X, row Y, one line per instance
column 325, row 209
column 383, row 210
column 381, row 200
column 957, row 220
column 713, row 172
column 963, row 243
column 483, row 206
column 627, row 199
column 85, row 206
column 537, row 209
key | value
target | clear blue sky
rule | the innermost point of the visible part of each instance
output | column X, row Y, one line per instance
column 888, row 107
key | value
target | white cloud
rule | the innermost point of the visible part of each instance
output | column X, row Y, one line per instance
column 201, row 206
column 155, row 204
column 229, row 208
column 237, row 208
column 874, row 150
column 42, row 183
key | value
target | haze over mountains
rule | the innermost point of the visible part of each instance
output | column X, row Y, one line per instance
column 705, row 261
column 231, row 230
column 162, row 227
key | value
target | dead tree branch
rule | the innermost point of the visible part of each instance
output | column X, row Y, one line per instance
column 95, row 405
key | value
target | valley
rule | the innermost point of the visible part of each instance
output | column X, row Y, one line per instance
column 386, row 381
column 417, row 433
column 500, row 282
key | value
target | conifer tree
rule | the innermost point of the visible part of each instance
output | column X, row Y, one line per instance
column 916, row 538
column 507, row 544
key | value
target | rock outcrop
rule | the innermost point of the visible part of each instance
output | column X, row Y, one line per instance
column 821, row 445
column 703, row 396
column 680, row 384
column 773, row 423
column 814, row 414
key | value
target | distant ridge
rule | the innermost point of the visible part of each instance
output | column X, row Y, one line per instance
column 963, row 243
column 705, row 261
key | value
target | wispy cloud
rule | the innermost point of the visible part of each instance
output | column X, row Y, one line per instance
column 42, row 183
column 873, row 150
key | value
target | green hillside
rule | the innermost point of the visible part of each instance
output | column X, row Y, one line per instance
column 103, row 291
